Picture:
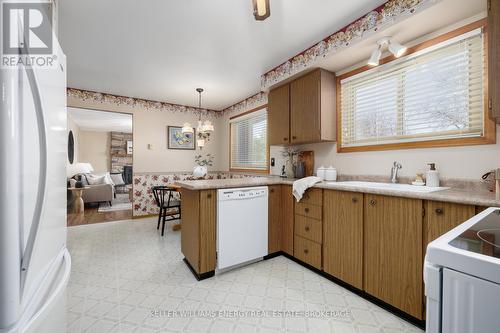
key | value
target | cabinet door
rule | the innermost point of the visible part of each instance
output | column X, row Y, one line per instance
column 441, row 217
column 208, row 220
column 274, row 219
column 343, row 236
column 305, row 108
column 287, row 219
column 278, row 115
column 494, row 57
column 393, row 251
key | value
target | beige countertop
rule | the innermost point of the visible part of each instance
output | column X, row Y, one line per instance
column 472, row 196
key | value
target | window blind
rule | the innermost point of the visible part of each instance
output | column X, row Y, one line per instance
column 437, row 93
column 249, row 141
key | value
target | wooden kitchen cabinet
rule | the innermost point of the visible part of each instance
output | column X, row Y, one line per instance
column 343, row 236
column 278, row 115
column 198, row 230
column 393, row 251
column 441, row 217
column 275, row 216
column 312, row 108
column 287, row 222
column 494, row 58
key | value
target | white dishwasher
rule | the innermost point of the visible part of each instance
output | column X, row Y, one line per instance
column 241, row 225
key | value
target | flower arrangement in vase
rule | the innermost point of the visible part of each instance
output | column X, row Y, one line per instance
column 202, row 162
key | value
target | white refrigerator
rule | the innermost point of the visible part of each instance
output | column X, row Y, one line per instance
column 34, row 262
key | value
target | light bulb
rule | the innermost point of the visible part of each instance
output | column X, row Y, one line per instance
column 375, row 57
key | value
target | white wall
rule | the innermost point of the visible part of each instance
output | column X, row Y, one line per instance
column 468, row 162
column 94, row 148
column 150, row 127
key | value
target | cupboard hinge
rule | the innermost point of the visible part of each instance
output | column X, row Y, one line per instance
column 490, row 104
column 423, row 212
column 489, row 5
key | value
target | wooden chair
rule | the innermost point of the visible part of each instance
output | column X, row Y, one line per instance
column 169, row 206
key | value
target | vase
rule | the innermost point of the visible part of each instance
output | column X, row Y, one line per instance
column 199, row 171
column 289, row 169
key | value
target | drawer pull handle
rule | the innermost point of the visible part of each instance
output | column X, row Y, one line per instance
column 354, row 200
column 209, row 196
column 306, row 197
column 439, row 211
column 373, row 202
column 285, row 139
column 306, row 251
column 272, row 190
column 307, row 228
column 306, row 210
column 294, row 137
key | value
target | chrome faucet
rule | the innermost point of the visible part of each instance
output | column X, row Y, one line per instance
column 394, row 171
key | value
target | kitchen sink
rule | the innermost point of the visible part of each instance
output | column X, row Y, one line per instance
column 389, row 186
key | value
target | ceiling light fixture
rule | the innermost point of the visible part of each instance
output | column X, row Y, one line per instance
column 261, row 9
column 394, row 47
column 204, row 129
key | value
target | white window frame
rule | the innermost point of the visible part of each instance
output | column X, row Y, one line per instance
column 258, row 112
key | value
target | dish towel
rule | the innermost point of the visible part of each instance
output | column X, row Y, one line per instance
column 301, row 185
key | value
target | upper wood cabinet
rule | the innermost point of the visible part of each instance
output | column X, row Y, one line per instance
column 494, row 58
column 393, row 251
column 278, row 108
column 303, row 111
column 312, row 108
column 343, row 236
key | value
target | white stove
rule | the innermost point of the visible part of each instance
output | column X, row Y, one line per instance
column 462, row 277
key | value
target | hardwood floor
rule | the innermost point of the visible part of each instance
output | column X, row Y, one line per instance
column 91, row 216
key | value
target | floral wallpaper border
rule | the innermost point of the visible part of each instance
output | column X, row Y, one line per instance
column 388, row 13
column 247, row 104
column 143, row 201
column 97, row 97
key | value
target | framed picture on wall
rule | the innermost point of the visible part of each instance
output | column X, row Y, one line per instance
column 179, row 140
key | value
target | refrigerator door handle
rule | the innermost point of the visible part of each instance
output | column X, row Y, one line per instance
column 42, row 180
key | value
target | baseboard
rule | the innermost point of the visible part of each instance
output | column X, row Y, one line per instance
column 143, row 216
column 201, row 276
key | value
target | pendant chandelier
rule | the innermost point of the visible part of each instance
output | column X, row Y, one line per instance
column 203, row 130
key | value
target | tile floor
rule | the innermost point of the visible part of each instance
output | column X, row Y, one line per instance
column 126, row 278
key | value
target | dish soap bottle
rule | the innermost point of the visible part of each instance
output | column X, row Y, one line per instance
column 432, row 177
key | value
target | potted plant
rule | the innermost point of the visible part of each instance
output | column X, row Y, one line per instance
column 202, row 162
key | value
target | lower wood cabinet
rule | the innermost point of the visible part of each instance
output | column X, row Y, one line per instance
column 343, row 236
column 393, row 251
column 280, row 219
column 307, row 251
column 275, row 216
column 441, row 217
column 199, row 229
column 287, row 223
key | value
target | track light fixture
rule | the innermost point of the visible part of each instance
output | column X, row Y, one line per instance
column 394, row 47
column 261, row 9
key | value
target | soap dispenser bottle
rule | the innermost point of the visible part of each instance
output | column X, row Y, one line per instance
column 432, row 178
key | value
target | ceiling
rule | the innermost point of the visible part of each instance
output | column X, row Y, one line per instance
column 101, row 121
column 163, row 50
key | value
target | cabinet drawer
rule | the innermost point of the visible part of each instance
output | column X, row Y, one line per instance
column 307, row 251
column 313, row 196
column 308, row 210
column 308, row 228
